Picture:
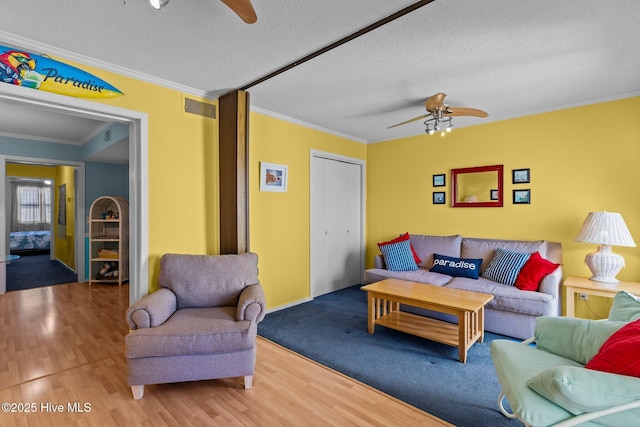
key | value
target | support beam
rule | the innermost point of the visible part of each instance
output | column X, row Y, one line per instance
column 234, row 172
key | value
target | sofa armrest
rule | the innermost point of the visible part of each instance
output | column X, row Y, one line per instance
column 251, row 304
column 552, row 283
column 378, row 262
column 152, row 310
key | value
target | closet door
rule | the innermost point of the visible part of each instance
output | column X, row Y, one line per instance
column 336, row 225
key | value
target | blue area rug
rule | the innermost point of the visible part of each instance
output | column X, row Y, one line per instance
column 332, row 330
column 35, row 271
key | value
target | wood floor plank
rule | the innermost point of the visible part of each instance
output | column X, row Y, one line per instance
column 64, row 345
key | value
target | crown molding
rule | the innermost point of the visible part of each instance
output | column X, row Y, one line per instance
column 306, row 124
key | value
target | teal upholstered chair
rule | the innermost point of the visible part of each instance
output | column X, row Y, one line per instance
column 547, row 384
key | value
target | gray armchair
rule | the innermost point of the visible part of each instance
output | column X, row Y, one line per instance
column 200, row 324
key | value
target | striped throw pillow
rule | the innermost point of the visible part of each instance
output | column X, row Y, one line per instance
column 398, row 256
column 505, row 266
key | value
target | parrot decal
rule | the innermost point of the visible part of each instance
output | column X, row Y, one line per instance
column 18, row 68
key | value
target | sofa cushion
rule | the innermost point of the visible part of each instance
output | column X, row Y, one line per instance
column 456, row 267
column 426, row 246
column 485, row 248
column 533, row 271
column 208, row 281
column 619, row 354
column 420, row 275
column 398, row 256
column 626, row 307
column 505, row 266
column 508, row 298
column 401, row 238
column 586, row 336
column 580, row 390
column 193, row 331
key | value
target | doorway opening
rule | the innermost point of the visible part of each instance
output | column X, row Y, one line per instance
column 138, row 178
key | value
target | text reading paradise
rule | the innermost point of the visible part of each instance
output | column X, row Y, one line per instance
column 84, row 84
column 460, row 264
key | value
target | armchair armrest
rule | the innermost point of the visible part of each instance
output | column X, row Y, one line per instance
column 252, row 304
column 152, row 310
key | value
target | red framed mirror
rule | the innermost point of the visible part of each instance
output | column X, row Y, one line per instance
column 477, row 187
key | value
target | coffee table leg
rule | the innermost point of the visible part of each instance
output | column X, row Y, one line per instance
column 481, row 323
column 371, row 302
column 463, row 333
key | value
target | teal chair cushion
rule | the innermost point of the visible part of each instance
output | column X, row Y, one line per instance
column 575, row 339
column 626, row 307
column 580, row 390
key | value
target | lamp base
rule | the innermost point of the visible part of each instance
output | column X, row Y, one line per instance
column 604, row 264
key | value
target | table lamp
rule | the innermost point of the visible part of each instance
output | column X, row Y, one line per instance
column 605, row 229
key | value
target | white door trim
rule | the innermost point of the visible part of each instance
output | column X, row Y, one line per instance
column 138, row 176
column 363, row 203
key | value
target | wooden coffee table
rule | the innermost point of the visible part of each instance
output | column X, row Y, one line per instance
column 385, row 297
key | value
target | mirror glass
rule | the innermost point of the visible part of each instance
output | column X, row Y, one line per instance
column 477, row 187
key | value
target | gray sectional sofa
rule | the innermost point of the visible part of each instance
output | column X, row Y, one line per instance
column 512, row 312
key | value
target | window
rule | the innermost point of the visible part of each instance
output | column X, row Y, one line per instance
column 34, row 203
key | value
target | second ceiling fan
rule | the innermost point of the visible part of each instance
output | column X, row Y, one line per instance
column 440, row 114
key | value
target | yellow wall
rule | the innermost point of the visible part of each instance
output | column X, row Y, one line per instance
column 279, row 222
column 64, row 247
column 577, row 166
column 31, row 171
column 183, row 173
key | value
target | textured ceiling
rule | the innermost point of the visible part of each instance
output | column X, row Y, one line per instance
column 509, row 58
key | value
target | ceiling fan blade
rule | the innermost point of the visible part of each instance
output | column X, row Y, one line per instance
column 462, row 111
column 410, row 120
column 242, row 8
column 435, row 102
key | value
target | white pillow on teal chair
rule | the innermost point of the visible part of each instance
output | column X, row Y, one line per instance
column 580, row 390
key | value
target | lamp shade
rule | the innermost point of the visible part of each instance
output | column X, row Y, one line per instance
column 605, row 228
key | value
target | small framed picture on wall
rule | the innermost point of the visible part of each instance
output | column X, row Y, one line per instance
column 273, row 177
column 439, row 180
column 521, row 176
column 494, row 195
column 438, row 197
column 521, row 197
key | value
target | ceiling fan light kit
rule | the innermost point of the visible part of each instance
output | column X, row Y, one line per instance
column 157, row 4
column 441, row 115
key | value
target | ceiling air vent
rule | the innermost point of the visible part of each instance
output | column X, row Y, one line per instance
column 200, row 108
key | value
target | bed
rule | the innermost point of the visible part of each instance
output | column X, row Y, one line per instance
column 20, row 241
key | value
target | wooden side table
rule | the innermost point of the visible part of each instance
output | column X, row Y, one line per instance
column 582, row 285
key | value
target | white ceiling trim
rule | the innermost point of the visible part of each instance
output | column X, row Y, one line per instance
column 616, row 97
column 306, row 124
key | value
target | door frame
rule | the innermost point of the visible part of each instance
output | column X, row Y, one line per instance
column 363, row 203
column 138, row 177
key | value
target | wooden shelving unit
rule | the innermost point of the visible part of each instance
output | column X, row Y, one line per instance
column 109, row 240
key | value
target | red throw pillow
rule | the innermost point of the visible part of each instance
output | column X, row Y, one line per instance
column 620, row 354
column 533, row 271
column 403, row 237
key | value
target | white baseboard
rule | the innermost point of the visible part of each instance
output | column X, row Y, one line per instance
column 288, row 305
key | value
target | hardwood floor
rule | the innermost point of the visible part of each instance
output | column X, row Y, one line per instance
column 62, row 358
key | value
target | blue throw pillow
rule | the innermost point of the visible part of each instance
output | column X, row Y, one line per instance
column 398, row 256
column 505, row 266
column 458, row 267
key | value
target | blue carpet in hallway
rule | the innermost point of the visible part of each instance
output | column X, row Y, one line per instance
column 332, row 330
column 35, row 271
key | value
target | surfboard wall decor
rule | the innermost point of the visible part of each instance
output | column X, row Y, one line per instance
column 22, row 68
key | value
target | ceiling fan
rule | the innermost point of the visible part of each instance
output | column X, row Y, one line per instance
column 440, row 114
column 242, row 8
